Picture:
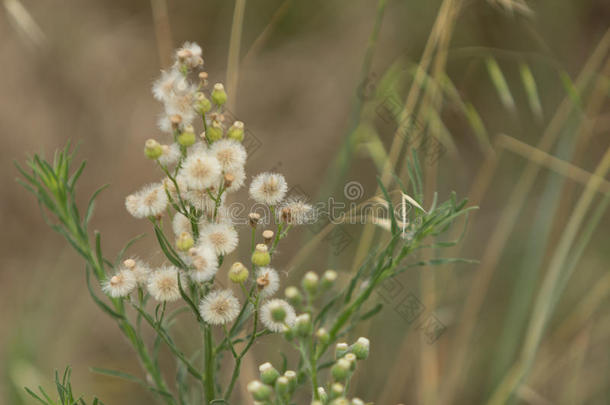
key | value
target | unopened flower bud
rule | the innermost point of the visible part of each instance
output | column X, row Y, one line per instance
column 129, row 263
column 268, row 373
column 293, row 296
column 310, row 282
column 357, row 401
column 152, row 149
column 261, row 256
column 339, row 401
column 184, row 242
column 203, row 79
column 336, row 390
column 268, row 236
column 341, row 370
column 292, row 379
column 238, row 273
column 259, row 391
column 328, row 279
column 175, row 120
column 219, row 96
column 187, row 137
column 361, row 348
column 282, row 386
column 351, row 357
column 214, row 132
column 322, row 395
column 322, row 335
column 254, row 217
column 229, row 179
column 202, row 103
column 236, row 131
column 341, row 350
column 303, row 325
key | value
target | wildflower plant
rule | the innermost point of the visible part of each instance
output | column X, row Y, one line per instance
column 235, row 304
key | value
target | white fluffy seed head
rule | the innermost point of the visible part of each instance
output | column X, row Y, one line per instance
column 295, row 211
column 189, row 55
column 201, row 170
column 219, row 307
column 267, row 317
column 150, row 201
column 231, row 154
column 205, row 262
column 267, row 281
column 268, row 188
column 163, row 284
column 170, row 154
column 120, row 285
column 238, row 179
column 181, row 224
column 139, row 269
column 221, row 237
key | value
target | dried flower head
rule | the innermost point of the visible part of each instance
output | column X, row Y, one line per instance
column 139, row 269
column 268, row 188
column 219, row 307
column 170, row 154
column 189, row 55
column 163, row 284
column 267, row 281
column 295, row 211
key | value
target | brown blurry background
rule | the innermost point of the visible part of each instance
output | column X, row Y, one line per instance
column 81, row 70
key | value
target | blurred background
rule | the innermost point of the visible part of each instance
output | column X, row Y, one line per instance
column 514, row 92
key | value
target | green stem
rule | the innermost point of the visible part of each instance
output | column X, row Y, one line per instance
column 210, row 365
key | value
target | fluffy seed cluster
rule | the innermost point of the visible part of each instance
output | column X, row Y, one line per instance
column 268, row 188
column 219, row 307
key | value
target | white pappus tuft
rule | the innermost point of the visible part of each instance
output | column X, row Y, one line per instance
column 219, row 307
column 268, row 188
column 201, row 170
column 222, row 237
column 205, row 261
column 231, row 154
column 163, row 284
column 120, row 285
column 295, row 211
column 150, row 201
column 170, row 154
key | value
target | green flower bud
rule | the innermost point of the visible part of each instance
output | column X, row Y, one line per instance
column 261, row 256
column 236, row 131
column 187, row 137
column 152, row 149
column 322, row 395
column 351, row 357
column 293, row 296
column 316, row 402
column 289, row 334
column 184, row 242
column 303, row 325
column 310, row 282
column 357, row 401
column 214, row 132
column 361, row 348
column 278, row 313
column 341, row 350
column 336, row 390
column 322, row 335
column 339, row 401
column 238, row 273
column 259, row 391
column 341, row 370
column 219, row 96
column 282, row 387
column 268, row 373
column 202, row 104
column 292, row 379
column 328, row 279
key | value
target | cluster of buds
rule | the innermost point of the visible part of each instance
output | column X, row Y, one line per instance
column 273, row 385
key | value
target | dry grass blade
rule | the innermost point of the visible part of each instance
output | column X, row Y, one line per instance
column 163, row 31
column 234, row 51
